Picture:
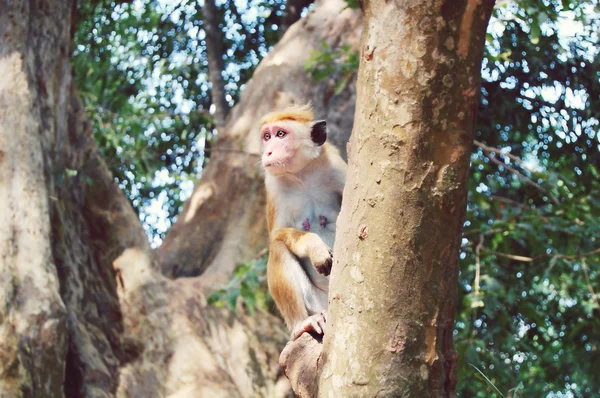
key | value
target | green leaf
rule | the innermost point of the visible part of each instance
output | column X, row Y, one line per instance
column 516, row 391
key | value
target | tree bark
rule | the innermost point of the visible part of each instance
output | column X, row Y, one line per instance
column 293, row 11
column 80, row 316
column 393, row 284
column 216, row 64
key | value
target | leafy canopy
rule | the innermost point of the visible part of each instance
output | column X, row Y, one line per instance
column 528, row 318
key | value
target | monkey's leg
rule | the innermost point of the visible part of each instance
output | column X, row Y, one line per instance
column 307, row 244
column 314, row 323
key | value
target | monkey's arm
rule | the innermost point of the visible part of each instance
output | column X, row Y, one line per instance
column 293, row 292
column 306, row 244
column 285, row 284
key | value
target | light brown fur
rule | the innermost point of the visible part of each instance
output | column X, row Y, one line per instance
column 299, row 290
column 298, row 113
column 289, row 303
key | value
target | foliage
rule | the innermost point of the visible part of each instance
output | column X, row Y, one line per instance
column 530, row 261
column 340, row 64
column 249, row 285
column 141, row 69
column 527, row 317
column 353, row 4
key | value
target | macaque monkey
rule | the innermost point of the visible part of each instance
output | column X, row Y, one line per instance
column 304, row 179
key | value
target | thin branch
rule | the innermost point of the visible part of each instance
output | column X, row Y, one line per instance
column 479, row 231
column 510, row 202
column 526, row 259
column 216, row 64
column 488, row 150
column 261, row 253
column 589, row 284
column 510, row 256
column 576, row 256
column 498, row 151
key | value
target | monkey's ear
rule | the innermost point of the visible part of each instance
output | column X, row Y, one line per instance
column 319, row 132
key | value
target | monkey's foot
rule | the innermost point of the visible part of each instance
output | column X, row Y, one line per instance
column 314, row 323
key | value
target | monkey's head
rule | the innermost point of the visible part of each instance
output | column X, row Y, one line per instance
column 291, row 139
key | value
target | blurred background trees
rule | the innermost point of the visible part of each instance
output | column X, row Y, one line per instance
column 528, row 313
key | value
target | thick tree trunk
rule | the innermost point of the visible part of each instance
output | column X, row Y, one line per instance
column 33, row 317
column 393, row 284
column 79, row 317
column 216, row 64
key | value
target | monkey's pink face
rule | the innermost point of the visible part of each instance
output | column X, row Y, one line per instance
column 279, row 148
column 287, row 147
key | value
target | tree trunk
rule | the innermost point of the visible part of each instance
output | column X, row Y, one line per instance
column 394, row 281
column 81, row 317
column 293, row 11
column 216, row 64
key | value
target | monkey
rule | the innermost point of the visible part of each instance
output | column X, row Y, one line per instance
column 304, row 181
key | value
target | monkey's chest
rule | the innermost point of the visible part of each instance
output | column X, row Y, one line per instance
column 312, row 212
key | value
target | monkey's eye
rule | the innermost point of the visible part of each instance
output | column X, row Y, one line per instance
column 267, row 136
column 280, row 134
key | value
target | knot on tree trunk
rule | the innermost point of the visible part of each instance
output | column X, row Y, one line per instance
column 300, row 362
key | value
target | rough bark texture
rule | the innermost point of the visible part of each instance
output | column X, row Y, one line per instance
column 224, row 220
column 81, row 317
column 299, row 362
column 393, row 284
column 214, row 53
column 33, row 317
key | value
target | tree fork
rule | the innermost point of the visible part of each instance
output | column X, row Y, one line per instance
column 393, row 284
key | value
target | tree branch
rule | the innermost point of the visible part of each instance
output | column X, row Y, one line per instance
column 526, row 259
column 488, row 150
column 293, row 11
column 589, row 284
column 510, row 202
column 299, row 362
column 216, row 64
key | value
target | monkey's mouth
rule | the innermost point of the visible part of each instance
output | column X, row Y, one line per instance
column 275, row 163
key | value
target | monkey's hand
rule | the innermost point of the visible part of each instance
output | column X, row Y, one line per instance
column 314, row 323
column 321, row 256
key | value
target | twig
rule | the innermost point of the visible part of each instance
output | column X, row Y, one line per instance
column 575, row 256
column 510, row 202
column 509, row 155
column 532, row 259
column 589, row 284
column 261, row 253
column 510, row 256
column 478, row 231
column 488, row 150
